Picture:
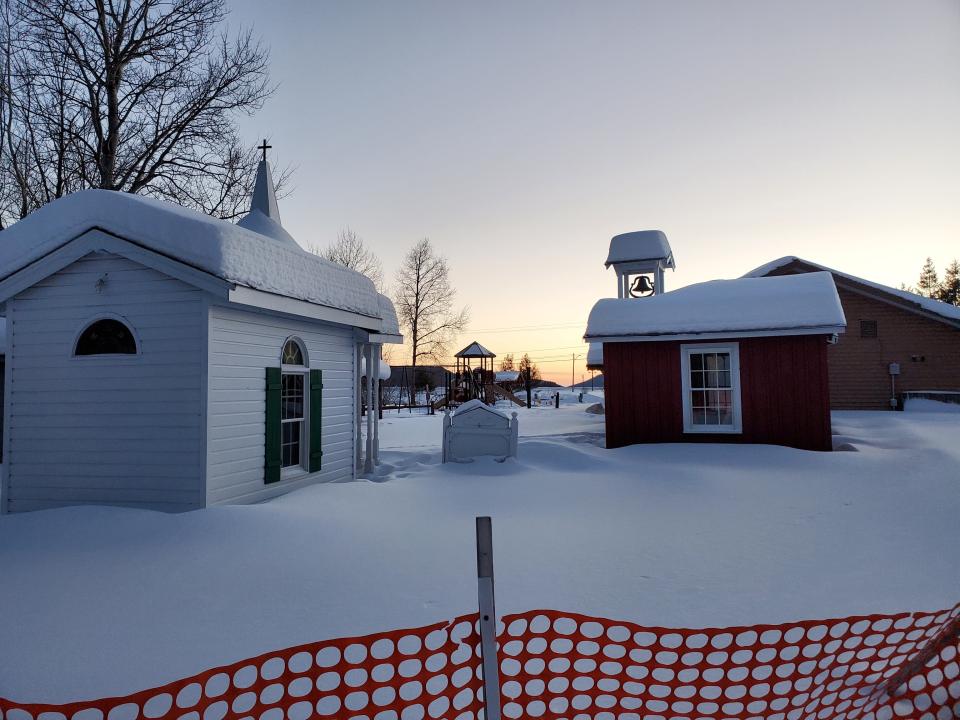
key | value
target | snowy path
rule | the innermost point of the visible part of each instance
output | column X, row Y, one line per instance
column 101, row 601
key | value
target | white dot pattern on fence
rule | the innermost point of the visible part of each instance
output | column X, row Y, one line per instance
column 558, row 665
column 421, row 673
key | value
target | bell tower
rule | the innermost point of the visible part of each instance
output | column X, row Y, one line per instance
column 639, row 259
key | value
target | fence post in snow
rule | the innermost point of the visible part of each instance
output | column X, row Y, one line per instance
column 488, row 620
column 557, row 399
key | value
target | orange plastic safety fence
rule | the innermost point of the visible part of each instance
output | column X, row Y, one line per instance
column 563, row 665
column 429, row 671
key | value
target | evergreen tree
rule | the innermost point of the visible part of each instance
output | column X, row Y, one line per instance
column 950, row 287
column 928, row 285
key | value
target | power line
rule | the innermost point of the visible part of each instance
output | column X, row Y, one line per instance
column 535, row 350
column 522, row 328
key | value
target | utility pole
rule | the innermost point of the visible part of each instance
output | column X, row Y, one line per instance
column 573, row 370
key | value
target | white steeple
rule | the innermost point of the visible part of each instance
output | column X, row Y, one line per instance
column 264, row 194
column 264, row 215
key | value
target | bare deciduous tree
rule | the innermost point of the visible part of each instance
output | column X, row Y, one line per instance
column 133, row 95
column 526, row 364
column 350, row 251
column 424, row 299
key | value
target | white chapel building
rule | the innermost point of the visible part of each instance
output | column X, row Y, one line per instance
column 159, row 358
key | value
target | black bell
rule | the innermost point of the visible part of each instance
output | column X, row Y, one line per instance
column 641, row 287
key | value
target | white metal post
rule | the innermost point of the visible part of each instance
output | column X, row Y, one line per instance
column 376, row 404
column 488, row 620
column 368, row 461
column 358, row 459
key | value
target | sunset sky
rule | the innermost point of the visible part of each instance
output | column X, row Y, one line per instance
column 520, row 136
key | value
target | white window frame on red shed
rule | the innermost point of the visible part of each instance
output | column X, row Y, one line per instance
column 731, row 349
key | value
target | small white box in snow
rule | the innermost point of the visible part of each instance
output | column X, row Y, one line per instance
column 476, row 429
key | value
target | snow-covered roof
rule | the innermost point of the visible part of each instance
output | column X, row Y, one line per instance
column 388, row 316
column 638, row 246
column 945, row 310
column 595, row 355
column 235, row 254
column 506, row 376
column 474, row 405
column 257, row 222
column 788, row 304
column 475, row 350
column 385, row 369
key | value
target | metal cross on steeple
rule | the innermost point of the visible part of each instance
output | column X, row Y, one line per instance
column 264, row 148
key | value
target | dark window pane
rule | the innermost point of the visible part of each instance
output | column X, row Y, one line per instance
column 291, row 395
column 724, row 361
column 723, row 379
column 726, row 398
column 712, row 378
column 710, row 361
column 696, row 361
column 290, row 443
column 696, row 379
column 699, row 399
column 712, row 417
column 106, row 337
column 726, row 416
column 700, row 417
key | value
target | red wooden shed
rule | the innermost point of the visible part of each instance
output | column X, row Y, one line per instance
column 723, row 361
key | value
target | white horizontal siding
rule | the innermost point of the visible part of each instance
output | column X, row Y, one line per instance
column 241, row 345
column 113, row 430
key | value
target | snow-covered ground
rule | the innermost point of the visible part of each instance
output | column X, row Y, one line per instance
column 103, row 601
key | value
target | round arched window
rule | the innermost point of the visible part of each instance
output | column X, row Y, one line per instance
column 292, row 353
column 293, row 405
column 106, row 337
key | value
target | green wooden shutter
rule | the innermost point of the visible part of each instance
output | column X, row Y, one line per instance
column 316, row 418
column 271, row 459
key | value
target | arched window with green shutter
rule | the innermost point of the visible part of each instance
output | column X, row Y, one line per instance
column 294, row 412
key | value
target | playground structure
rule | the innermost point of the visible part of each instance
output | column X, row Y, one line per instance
column 474, row 378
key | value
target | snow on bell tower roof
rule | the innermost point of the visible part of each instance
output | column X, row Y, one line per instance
column 639, row 246
column 264, row 215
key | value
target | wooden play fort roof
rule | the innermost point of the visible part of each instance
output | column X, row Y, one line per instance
column 475, row 350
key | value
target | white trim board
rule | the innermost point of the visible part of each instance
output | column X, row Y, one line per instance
column 717, row 335
column 300, row 308
column 733, row 349
column 99, row 241
column 96, row 240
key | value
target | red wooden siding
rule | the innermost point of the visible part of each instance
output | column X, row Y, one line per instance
column 784, row 390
